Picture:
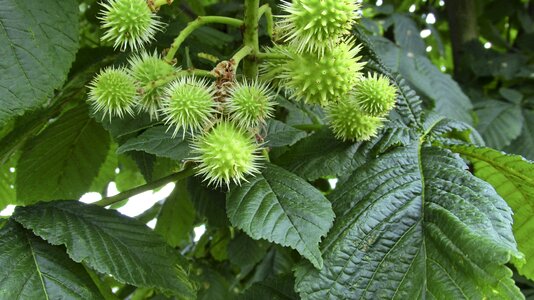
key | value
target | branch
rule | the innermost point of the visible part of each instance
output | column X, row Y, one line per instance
column 239, row 55
column 188, row 171
column 193, row 25
column 268, row 12
column 250, row 37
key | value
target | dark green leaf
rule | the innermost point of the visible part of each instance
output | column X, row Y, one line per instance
column 273, row 288
column 159, row 142
column 282, row 208
column 177, row 217
column 415, row 224
column 61, row 162
column 34, row 269
column 246, row 252
column 407, row 35
column 208, row 203
column 512, row 177
column 38, row 42
column 448, row 97
column 109, row 243
column 524, row 144
column 499, row 122
column 318, row 155
column 279, row 134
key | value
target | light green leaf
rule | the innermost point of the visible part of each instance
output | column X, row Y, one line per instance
column 280, row 207
column 513, row 178
column 177, row 217
column 61, row 162
column 499, row 122
column 415, row 224
column 159, row 142
column 109, row 243
column 34, row 269
column 38, row 41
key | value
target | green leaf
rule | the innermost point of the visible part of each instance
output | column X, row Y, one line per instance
column 524, row 144
column 109, row 243
column 280, row 134
column 246, row 252
column 159, row 142
column 282, row 208
column 34, row 269
column 61, row 162
column 407, row 35
column 38, row 42
column 409, row 105
column 499, row 122
column 415, row 224
column 512, row 177
column 445, row 93
column 318, row 155
column 177, row 217
column 273, row 288
column 208, row 203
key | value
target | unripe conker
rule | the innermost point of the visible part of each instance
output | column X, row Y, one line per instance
column 250, row 103
column 375, row 95
column 226, row 154
column 188, row 105
column 348, row 122
column 129, row 23
column 317, row 25
column 114, row 92
column 145, row 69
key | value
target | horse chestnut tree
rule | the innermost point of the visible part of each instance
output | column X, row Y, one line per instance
column 315, row 170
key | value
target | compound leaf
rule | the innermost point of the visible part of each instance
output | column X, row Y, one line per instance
column 512, row 177
column 34, row 269
column 109, row 243
column 159, row 142
column 62, row 161
column 38, row 43
column 282, row 208
column 415, row 224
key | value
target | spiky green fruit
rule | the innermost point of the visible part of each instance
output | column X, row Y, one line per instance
column 129, row 23
column 348, row 122
column 226, row 154
column 113, row 91
column 188, row 105
column 375, row 95
column 317, row 25
column 250, row 103
column 145, row 69
column 316, row 80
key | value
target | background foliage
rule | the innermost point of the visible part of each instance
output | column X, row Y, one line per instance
column 429, row 200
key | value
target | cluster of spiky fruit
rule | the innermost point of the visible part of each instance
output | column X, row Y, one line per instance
column 319, row 65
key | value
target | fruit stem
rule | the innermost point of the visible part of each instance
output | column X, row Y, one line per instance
column 175, row 75
column 268, row 12
column 250, row 38
column 239, row 55
column 193, row 25
column 188, row 171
